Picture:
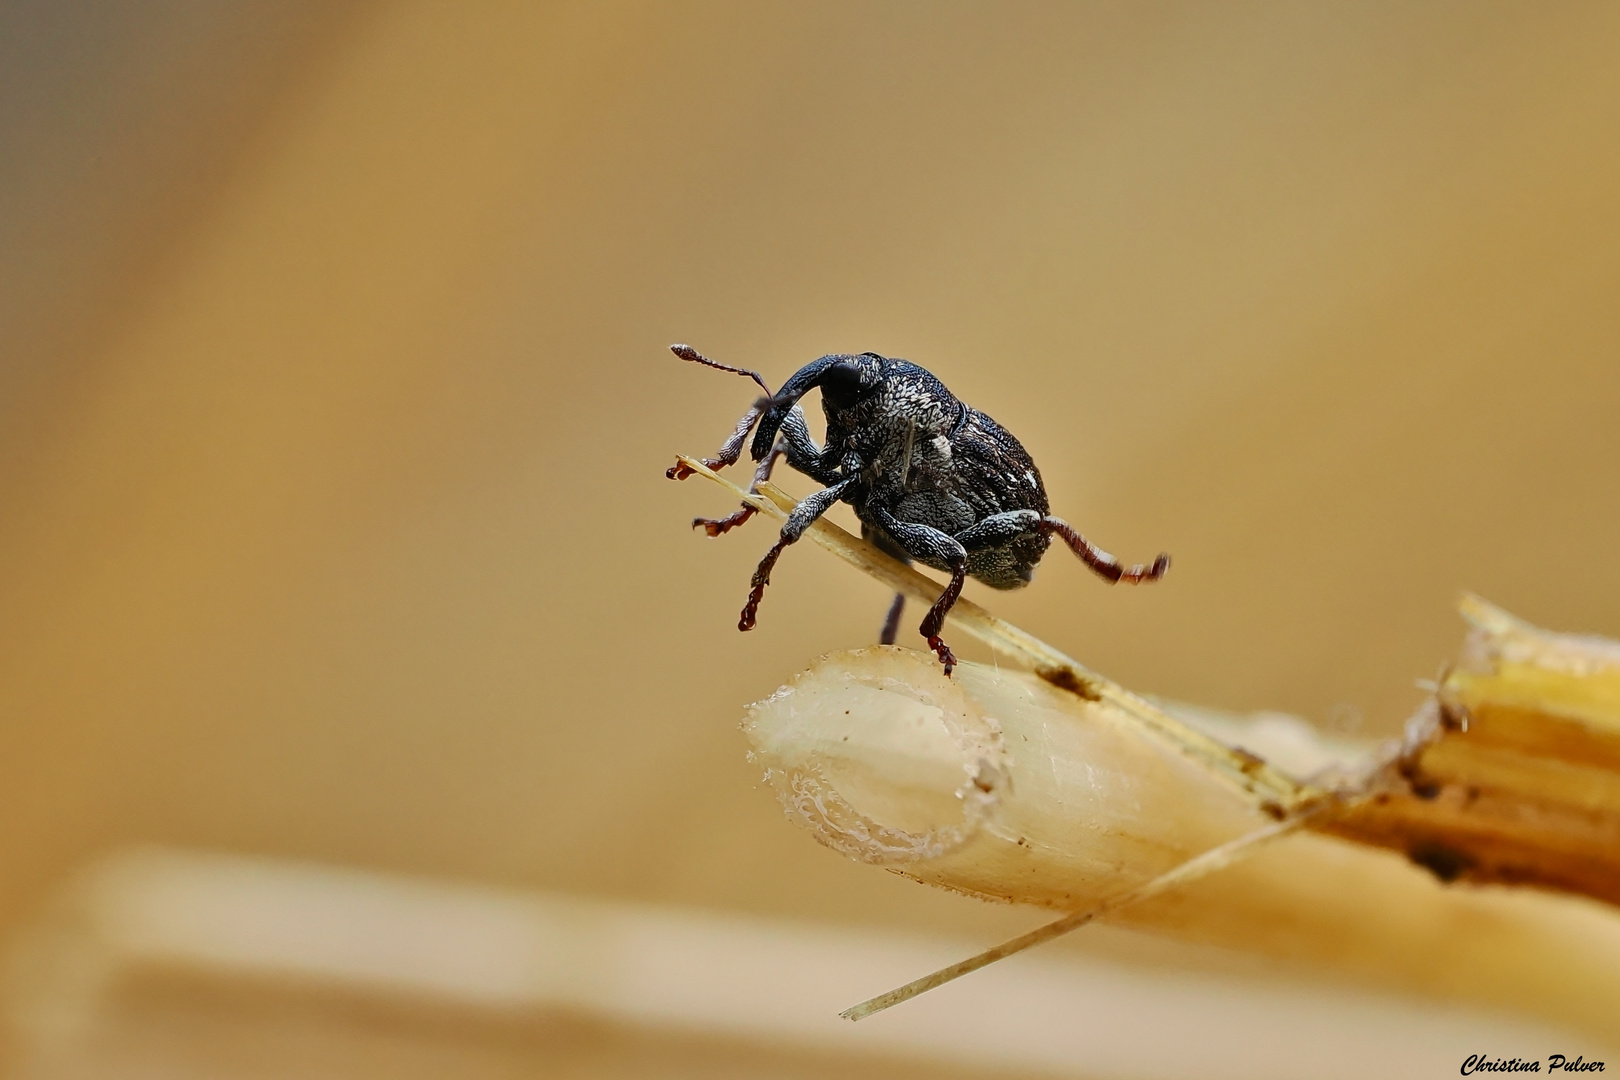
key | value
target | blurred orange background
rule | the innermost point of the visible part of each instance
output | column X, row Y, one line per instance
column 337, row 398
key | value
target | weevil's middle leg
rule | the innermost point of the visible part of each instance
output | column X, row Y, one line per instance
column 891, row 623
column 934, row 547
column 935, row 620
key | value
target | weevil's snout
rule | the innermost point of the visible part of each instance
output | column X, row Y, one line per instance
column 843, row 381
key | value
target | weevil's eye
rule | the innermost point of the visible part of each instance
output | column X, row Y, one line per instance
column 849, row 380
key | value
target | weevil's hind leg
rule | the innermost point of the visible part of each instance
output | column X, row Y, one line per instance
column 1104, row 564
column 891, row 623
column 813, row 506
column 932, row 546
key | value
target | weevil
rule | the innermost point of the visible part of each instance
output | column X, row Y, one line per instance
column 931, row 479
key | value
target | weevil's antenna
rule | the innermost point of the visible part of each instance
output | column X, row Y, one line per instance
column 686, row 352
column 732, row 448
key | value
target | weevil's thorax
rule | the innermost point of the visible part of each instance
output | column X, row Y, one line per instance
column 897, row 432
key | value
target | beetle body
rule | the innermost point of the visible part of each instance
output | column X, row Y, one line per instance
column 930, row 477
column 923, row 456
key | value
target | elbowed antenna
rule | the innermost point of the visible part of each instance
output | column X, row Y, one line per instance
column 731, row 449
column 686, row 352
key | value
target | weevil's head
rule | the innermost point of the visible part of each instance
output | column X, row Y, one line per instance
column 851, row 380
column 846, row 383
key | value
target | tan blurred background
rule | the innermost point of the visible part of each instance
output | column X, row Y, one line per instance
column 337, row 403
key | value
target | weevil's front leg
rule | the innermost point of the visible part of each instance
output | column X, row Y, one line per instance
column 1105, row 565
column 802, row 453
column 803, row 515
column 731, row 449
column 719, row 526
column 932, row 546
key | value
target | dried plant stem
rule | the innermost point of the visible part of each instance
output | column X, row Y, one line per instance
column 1040, row 788
column 996, row 784
column 1281, row 794
column 1512, row 773
column 1200, row 866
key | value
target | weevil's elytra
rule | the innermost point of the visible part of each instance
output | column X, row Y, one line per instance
column 930, row 477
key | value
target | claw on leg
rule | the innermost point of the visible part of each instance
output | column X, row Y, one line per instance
column 1153, row 573
column 935, row 619
column 718, row 526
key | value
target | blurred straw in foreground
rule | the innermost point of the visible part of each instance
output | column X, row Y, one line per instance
column 1056, row 787
column 180, row 964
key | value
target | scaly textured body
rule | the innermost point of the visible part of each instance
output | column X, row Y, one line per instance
column 930, row 477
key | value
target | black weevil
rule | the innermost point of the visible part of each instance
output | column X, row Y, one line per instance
column 930, row 477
